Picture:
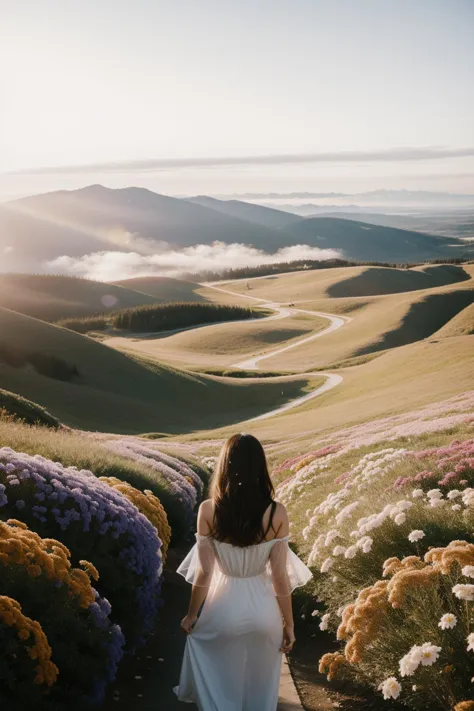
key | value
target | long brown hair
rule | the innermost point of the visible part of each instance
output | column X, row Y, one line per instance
column 241, row 490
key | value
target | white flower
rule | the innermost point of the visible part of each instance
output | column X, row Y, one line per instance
column 400, row 518
column 437, row 503
column 448, row 621
column 390, row 688
column 315, row 613
column 416, row 535
column 413, row 688
column 350, row 552
column 328, row 563
column 404, row 505
column 335, row 578
column 435, row 494
column 417, row 493
column 470, row 642
column 367, row 544
column 468, row 571
column 464, row 592
column 454, row 493
column 324, row 622
column 330, row 537
column 410, row 662
column 429, row 654
column 456, row 507
column 339, row 550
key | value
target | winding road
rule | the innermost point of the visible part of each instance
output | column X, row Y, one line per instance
column 335, row 322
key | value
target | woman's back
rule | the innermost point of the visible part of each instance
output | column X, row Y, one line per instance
column 242, row 562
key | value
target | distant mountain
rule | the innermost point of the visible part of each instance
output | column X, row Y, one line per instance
column 364, row 242
column 96, row 218
column 449, row 223
column 258, row 214
column 421, row 198
column 75, row 223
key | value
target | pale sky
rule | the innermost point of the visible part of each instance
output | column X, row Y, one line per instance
column 343, row 84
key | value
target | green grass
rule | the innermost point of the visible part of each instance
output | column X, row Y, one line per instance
column 221, row 345
column 117, row 393
column 51, row 298
column 164, row 289
column 19, row 408
column 396, row 381
column 461, row 325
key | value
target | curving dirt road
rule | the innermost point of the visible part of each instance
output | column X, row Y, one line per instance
column 332, row 379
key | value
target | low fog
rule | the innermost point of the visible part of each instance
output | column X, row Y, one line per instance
column 114, row 265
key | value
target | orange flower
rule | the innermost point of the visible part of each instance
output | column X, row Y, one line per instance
column 330, row 663
column 28, row 629
column 149, row 505
column 44, row 556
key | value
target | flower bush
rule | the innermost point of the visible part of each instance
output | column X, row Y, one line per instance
column 183, row 481
column 391, row 543
column 96, row 523
column 149, row 505
column 86, row 646
column 26, row 669
column 424, row 600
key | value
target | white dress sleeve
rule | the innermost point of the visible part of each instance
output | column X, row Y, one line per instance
column 199, row 565
column 287, row 571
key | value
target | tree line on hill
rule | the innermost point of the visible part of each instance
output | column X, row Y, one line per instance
column 162, row 317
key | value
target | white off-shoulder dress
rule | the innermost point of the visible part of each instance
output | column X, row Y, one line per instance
column 232, row 659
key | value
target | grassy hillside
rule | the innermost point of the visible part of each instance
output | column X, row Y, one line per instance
column 397, row 381
column 115, row 393
column 19, row 408
column 222, row 344
column 51, row 298
column 347, row 282
column 163, row 288
column 376, row 322
column 380, row 280
column 461, row 325
column 366, row 242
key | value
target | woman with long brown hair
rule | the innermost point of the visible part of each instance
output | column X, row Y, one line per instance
column 243, row 574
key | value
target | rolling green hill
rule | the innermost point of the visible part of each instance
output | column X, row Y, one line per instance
column 113, row 392
column 51, row 298
column 164, row 288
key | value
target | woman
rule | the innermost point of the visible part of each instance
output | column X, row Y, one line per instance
column 243, row 571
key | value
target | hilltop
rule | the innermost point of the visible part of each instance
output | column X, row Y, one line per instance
column 51, row 298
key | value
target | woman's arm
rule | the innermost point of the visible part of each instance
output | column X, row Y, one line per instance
column 281, row 582
column 205, row 570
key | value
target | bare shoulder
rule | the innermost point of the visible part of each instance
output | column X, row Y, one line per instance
column 205, row 517
column 206, row 506
column 281, row 524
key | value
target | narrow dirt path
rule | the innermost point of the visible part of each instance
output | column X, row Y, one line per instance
column 332, row 379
